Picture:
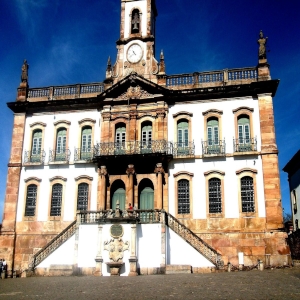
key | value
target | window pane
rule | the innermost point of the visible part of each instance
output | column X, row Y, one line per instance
column 183, row 194
column 180, row 137
column 30, row 200
column 186, row 137
column 216, row 135
column 56, row 200
column 247, row 194
column 82, row 197
column 215, row 195
column 209, row 135
column 247, row 134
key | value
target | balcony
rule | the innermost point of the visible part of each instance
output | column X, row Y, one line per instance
column 245, row 145
column 34, row 157
column 59, row 156
column 133, row 148
column 184, row 149
column 214, row 148
column 83, row 154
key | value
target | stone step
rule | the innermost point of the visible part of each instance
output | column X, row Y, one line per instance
column 60, row 270
column 178, row 269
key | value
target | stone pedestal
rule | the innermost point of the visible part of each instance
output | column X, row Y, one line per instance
column 115, row 268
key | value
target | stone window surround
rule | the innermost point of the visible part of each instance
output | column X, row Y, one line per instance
column 36, row 126
column 251, row 173
column 212, row 113
column 188, row 176
column 61, row 180
column 83, row 123
column 182, row 115
column 220, row 175
column 243, row 110
column 29, row 181
column 82, row 179
column 61, row 124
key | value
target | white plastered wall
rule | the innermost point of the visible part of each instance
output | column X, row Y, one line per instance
column 179, row 252
column 69, row 171
column 229, row 165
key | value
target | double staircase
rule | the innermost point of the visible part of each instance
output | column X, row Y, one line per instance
column 143, row 217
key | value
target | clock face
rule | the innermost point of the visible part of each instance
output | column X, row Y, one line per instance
column 134, row 53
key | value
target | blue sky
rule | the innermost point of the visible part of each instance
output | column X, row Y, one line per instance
column 68, row 42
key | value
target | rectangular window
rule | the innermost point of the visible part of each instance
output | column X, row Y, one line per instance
column 183, row 191
column 31, row 200
column 247, row 194
column 56, row 200
column 215, row 195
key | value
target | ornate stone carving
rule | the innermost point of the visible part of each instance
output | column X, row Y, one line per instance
column 106, row 116
column 116, row 248
column 262, row 54
column 130, row 170
column 134, row 93
column 25, row 67
column 160, row 113
column 159, row 169
column 103, row 171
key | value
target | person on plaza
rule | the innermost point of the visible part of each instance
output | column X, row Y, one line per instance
column 4, row 266
column 1, row 265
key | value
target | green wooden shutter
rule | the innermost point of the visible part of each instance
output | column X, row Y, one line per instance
column 119, row 194
column 147, row 198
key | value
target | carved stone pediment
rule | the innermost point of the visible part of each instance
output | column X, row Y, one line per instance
column 134, row 87
column 134, row 93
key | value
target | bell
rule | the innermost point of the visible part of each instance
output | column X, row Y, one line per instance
column 135, row 27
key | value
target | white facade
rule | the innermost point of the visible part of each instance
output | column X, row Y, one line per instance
column 148, row 247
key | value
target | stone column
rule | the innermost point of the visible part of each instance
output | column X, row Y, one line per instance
column 130, row 189
column 133, row 258
column 102, row 188
column 99, row 259
column 159, row 170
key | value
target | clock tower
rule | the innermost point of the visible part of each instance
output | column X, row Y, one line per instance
column 136, row 46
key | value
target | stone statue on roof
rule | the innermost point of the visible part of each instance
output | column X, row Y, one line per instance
column 25, row 67
column 262, row 53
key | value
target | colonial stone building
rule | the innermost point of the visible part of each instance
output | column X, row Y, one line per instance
column 194, row 154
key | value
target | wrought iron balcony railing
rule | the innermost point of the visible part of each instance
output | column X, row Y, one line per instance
column 213, row 147
column 133, row 147
column 245, row 145
column 62, row 155
column 184, row 149
column 83, row 154
column 34, row 156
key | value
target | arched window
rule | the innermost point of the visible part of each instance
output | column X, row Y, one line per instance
column 120, row 138
column 247, row 194
column 56, row 200
column 83, row 196
column 86, row 142
column 213, row 131
column 215, row 195
column 183, row 196
column 183, row 137
column 36, row 142
column 31, row 200
column 61, row 143
column 244, row 136
column 146, row 137
column 135, row 21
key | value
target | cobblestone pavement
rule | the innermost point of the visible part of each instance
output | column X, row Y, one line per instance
column 269, row 284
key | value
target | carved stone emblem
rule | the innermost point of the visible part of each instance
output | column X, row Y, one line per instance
column 116, row 247
column 134, row 93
